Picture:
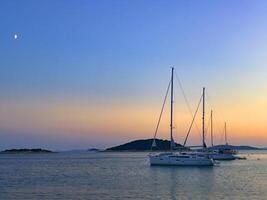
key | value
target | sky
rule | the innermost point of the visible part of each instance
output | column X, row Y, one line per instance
column 77, row 74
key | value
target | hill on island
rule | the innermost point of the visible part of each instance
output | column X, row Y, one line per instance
column 143, row 145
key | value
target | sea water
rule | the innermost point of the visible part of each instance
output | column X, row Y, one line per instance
column 100, row 176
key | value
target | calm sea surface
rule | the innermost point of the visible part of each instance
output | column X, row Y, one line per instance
column 100, row 176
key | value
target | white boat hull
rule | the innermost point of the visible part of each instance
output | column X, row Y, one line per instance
column 222, row 156
column 180, row 160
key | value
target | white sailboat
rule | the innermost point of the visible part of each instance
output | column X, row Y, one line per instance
column 178, row 158
column 220, row 154
column 223, row 153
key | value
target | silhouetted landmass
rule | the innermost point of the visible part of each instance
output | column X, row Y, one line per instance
column 94, row 150
column 27, row 151
column 164, row 145
column 234, row 147
column 143, row 145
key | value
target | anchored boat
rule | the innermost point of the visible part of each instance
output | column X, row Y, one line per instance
column 181, row 159
column 222, row 153
column 178, row 158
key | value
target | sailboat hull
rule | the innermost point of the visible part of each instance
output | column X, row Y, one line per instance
column 180, row 160
column 220, row 156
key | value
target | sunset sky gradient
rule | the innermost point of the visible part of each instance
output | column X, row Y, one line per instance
column 84, row 74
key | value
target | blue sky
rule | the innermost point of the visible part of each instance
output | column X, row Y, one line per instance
column 121, row 51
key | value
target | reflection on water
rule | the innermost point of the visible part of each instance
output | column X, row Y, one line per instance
column 127, row 176
column 182, row 181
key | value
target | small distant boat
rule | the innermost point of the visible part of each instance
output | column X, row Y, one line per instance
column 178, row 158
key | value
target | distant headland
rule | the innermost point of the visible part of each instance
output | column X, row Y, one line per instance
column 164, row 145
column 11, row 151
column 143, row 145
column 241, row 147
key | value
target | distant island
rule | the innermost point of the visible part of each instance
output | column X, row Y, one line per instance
column 144, row 145
column 94, row 150
column 164, row 145
column 242, row 147
column 26, row 151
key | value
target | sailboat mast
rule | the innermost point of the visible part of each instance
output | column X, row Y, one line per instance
column 203, row 120
column 211, row 128
column 225, row 136
column 171, row 125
